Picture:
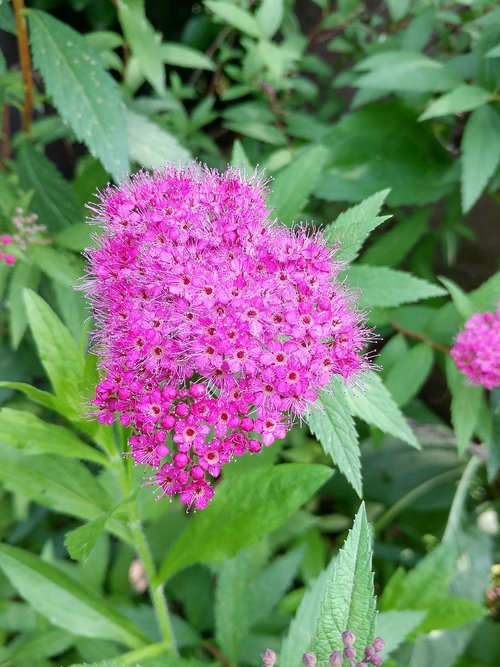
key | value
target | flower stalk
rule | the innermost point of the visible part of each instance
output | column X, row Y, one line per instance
column 25, row 60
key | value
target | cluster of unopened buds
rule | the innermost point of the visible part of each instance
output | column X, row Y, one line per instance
column 477, row 349
column 26, row 234
column 216, row 327
column 348, row 657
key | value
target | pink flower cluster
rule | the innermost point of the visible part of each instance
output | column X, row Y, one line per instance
column 216, row 328
column 6, row 257
column 26, row 232
column 477, row 349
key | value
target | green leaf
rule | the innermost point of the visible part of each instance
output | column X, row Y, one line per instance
column 292, row 186
column 64, row 601
column 493, row 52
column 333, row 426
column 76, row 237
column 463, row 98
column 480, row 153
column 55, row 264
column 465, row 405
column 269, row 16
column 487, row 295
column 450, row 612
column 54, row 200
column 395, row 626
column 181, row 55
column 387, row 288
column 349, row 602
column 31, row 435
column 405, row 71
column 143, row 41
column 240, row 159
column 460, row 298
column 33, row 648
column 374, row 404
column 81, row 541
column 391, row 247
column 85, row 95
column 303, row 626
column 234, row 16
column 407, row 376
column 352, row 227
column 238, row 518
column 58, row 352
column 44, row 398
column 150, row 145
column 24, row 275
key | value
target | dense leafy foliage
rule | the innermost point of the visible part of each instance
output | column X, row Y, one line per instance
column 378, row 123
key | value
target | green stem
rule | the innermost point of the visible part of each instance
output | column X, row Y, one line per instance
column 459, row 499
column 413, row 495
column 143, row 550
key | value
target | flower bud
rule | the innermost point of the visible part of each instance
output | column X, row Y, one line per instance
column 378, row 644
column 335, row 659
column 348, row 637
column 309, row 659
column 268, row 658
column 350, row 652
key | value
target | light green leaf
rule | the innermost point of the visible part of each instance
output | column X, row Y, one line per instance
column 54, row 200
column 55, row 264
column 80, row 542
column 150, row 145
column 487, row 295
column 238, row 518
column 24, row 275
column 395, row 626
column 33, row 648
column 460, row 298
column 143, row 41
column 76, row 237
column 58, row 352
column 39, row 396
column 85, row 95
column 292, row 186
column 480, row 153
column 333, row 425
column 450, row 612
column 465, row 405
column 349, row 602
column 234, row 16
column 407, row 376
column 64, row 601
column 493, row 52
column 387, row 288
column 406, row 71
column 240, row 159
column 463, row 98
column 269, row 16
column 181, row 55
column 31, row 435
column 352, row 227
column 374, row 404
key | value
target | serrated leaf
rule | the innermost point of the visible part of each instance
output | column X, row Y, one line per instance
column 64, row 601
column 352, row 227
column 487, row 295
column 85, row 95
column 54, row 200
column 143, row 41
column 58, row 352
column 349, row 602
column 465, row 405
column 480, row 153
column 407, row 376
column 459, row 297
column 80, row 542
column 31, row 435
column 238, row 518
column 235, row 16
column 391, row 247
column 292, row 186
column 150, row 145
column 181, row 55
column 374, row 404
column 387, row 288
column 463, row 98
column 334, row 427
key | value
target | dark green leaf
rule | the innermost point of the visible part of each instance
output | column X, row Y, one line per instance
column 407, row 376
column 238, row 518
column 85, row 95
column 64, row 601
column 465, row 405
column 24, row 275
column 391, row 247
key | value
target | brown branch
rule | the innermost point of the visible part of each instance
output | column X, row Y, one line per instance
column 25, row 60
column 217, row 653
column 419, row 336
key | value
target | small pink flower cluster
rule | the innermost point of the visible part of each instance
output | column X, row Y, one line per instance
column 25, row 234
column 477, row 349
column 216, row 328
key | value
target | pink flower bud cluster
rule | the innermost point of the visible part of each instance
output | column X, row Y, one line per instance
column 216, row 328
column 477, row 349
column 25, row 234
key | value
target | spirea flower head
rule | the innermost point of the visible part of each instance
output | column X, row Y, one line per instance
column 215, row 326
column 477, row 349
